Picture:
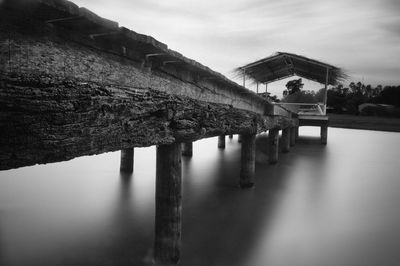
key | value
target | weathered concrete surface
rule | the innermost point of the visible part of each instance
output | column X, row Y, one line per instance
column 187, row 149
column 44, row 119
column 273, row 145
column 292, row 136
column 316, row 121
column 168, row 220
column 73, row 84
column 221, row 142
column 248, row 156
column 324, row 135
column 127, row 157
column 58, row 38
column 285, row 141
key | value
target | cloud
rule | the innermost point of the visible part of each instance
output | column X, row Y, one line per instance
column 225, row 34
column 392, row 26
column 393, row 5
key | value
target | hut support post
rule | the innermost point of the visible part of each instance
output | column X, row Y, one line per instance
column 273, row 141
column 168, row 220
column 286, row 140
column 326, row 89
column 221, row 142
column 187, row 149
column 126, row 165
column 248, row 154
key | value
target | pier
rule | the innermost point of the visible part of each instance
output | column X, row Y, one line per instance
column 74, row 84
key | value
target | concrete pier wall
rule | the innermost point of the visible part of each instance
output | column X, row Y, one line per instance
column 73, row 84
column 37, row 42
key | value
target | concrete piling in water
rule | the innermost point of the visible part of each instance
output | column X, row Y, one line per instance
column 285, row 140
column 168, row 220
column 248, row 154
column 296, row 130
column 324, row 135
column 231, row 136
column 240, row 138
column 221, row 142
column 187, row 149
column 273, row 148
column 127, row 160
column 292, row 136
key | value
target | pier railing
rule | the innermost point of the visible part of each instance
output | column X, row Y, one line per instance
column 305, row 108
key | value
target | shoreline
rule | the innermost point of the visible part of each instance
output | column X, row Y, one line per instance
column 364, row 122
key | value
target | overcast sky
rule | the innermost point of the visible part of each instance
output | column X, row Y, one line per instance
column 361, row 36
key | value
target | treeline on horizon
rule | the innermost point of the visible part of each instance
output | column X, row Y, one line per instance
column 347, row 99
column 343, row 99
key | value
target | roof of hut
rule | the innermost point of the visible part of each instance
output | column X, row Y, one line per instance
column 282, row 65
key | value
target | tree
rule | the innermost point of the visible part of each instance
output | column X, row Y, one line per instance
column 391, row 95
column 294, row 86
column 347, row 99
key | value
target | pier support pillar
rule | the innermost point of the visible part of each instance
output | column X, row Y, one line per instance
column 187, row 149
column 292, row 136
column 240, row 138
column 221, row 142
column 296, row 130
column 286, row 140
column 324, row 134
column 126, row 165
column 248, row 154
column 231, row 136
column 273, row 142
column 168, row 220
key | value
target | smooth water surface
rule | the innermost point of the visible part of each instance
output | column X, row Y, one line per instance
column 334, row 205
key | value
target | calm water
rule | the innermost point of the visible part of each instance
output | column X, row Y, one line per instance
column 334, row 205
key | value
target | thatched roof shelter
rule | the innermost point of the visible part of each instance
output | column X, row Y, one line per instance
column 282, row 65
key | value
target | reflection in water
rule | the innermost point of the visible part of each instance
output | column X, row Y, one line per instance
column 2, row 261
column 319, row 206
